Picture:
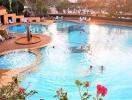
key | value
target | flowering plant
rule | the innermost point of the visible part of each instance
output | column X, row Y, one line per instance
column 85, row 95
column 12, row 91
column 61, row 95
column 101, row 91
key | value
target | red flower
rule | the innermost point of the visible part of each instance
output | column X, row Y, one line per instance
column 101, row 90
column 86, row 84
column 21, row 90
column 104, row 91
column 57, row 91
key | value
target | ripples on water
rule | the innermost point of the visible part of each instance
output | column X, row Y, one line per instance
column 16, row 60
column 110, row 46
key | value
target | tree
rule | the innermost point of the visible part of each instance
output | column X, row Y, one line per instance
column 63, row 5
column 36, row 7
column 17, row 6
column 41, row 8
column 128, row 6
column 5, row 3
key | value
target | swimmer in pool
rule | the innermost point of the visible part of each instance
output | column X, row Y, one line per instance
column 102, row 68
column 91, row 67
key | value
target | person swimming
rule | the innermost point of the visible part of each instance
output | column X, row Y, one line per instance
column 53, row 47
column 102, row 69
column 81, row 48
column 91, row 67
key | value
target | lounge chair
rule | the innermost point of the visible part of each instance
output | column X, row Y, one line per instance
column 80, row 18
column 83, row 18
column 57, row 17
column 0, row 23
column 25, row 20
column 5, row 36
column 89, row 19
column 1, row 39
column 22, row 20
column 10, row 21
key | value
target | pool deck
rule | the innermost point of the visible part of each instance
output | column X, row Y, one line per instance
column 10, row 45
column 102, row 22
column 46, row 22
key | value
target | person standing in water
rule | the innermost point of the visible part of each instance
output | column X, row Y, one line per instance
column 90, row 68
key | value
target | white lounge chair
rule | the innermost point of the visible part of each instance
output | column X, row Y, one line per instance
column 80, row 18
column 57, row 17
column 25, row 20
column 83, row 18
column 10, row 21
column 89, row 19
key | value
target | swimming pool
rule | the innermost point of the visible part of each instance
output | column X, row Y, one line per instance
column 34, row 28
column 111, row 46
column 16, row 60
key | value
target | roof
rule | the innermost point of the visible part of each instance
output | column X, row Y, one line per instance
column 2, row 7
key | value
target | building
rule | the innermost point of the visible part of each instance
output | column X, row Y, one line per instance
column 6, row 18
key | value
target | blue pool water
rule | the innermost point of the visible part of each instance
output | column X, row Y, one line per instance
column 110, row 46
column 16, row 60
column 34, row 28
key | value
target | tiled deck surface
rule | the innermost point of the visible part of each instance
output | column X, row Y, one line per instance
column 11, row 45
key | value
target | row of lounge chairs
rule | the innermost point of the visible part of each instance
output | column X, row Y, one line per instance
column 59, row 18
column 81, row 18
column 85, row 19
column 24, row 20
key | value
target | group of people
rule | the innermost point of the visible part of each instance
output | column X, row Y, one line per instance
column 101, row 68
